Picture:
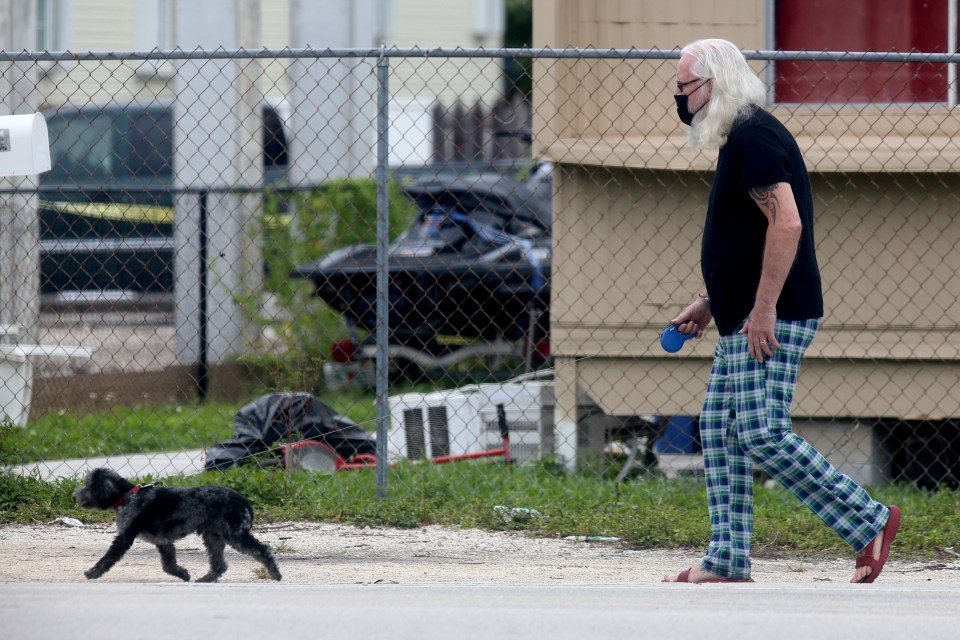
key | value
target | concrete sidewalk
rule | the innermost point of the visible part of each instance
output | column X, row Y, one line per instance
column 158, row 465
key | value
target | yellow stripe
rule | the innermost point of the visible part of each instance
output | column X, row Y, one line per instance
column 137, row 212
column 130, row 212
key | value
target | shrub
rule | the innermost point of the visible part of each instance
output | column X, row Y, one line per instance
column 296, row 230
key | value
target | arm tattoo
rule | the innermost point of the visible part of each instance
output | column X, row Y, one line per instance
column 767, row 199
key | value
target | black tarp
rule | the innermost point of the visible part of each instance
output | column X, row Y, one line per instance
column 279, row 418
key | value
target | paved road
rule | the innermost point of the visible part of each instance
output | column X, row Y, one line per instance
column 161, row 465
column 441, row 611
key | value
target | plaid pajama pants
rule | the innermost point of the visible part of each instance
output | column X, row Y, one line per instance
column 746, row 421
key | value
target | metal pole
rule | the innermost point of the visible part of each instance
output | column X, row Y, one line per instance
column 383, row 238
column 770, row 70
column 952, row 90
column 203, row 368
column 544, row 53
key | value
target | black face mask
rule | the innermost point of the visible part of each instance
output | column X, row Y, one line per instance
column 683, row 110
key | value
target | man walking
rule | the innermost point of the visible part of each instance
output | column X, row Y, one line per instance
column 762, row 288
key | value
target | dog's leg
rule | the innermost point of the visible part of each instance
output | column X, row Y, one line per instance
column 168, row 559
column 218, row 563
column 120, row 545
column 247, row 544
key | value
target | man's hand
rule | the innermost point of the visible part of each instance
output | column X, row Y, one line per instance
column 694, row 319
column 761, row 340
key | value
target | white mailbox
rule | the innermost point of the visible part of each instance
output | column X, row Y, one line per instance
column 24, row 145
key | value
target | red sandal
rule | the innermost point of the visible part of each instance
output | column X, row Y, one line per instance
column 866, row 559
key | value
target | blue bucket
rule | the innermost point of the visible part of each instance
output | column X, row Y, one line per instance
column 681, row 435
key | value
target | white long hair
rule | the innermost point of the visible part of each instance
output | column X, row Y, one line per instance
column 735, row 90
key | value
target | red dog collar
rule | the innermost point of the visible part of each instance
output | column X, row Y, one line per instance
column 124, row 497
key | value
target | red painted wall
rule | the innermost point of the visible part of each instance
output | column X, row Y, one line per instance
column 861, row 25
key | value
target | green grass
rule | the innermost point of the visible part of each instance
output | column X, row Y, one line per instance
column 651, row 513
column 647, row 512
column 146, row 428
column 124, row 429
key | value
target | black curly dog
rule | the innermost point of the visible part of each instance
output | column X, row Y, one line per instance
column 161, row 516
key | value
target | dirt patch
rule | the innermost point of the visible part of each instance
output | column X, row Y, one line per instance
column 323, row 553
column 317, row 553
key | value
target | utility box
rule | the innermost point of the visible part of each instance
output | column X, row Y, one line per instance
column 464, row 420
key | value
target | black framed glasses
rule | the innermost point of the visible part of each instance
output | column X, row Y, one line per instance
column 681, row 85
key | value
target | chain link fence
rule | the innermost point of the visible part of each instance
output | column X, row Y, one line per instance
column 343, row 259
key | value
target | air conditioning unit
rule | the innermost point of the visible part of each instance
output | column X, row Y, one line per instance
column 464, row 420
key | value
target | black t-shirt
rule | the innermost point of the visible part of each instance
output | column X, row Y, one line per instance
column 759, row 152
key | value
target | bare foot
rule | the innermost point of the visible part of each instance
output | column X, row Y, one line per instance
column 696, row 574
column 875, row 547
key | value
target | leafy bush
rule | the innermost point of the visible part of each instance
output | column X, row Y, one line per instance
column 298, row 229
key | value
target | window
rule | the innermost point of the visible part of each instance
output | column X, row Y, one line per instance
column 53, row 16
column 81, row 145
column 154, row 24
column 143, row 143
column 111, row 144
column 861, row 25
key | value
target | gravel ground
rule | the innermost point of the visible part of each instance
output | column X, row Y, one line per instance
column 314, row 553
column 324, row 553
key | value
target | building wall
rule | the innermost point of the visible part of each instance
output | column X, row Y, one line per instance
column 110, row 25
column 426, row 25
column 630, row 199
column 608, row 99
column 626, row 260
column 102, row 25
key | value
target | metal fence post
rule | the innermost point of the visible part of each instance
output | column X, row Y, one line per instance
column 203, row 366
column 383, row 238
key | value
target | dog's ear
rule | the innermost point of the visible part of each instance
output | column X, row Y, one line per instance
column 107, row 486
column 110, row 484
